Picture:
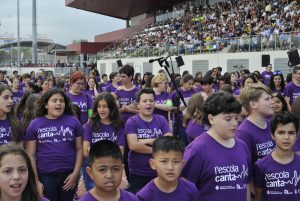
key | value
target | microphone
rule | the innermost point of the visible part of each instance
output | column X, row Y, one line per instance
column 157, row 59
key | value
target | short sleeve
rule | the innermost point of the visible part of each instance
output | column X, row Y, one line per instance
column 258, row 176
column 121, row 137
column 87, row 132
column 130, row 127
column 30, row 132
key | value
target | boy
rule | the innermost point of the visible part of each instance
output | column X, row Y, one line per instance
column 267, row 74
column 292, row 90
column 276, row 176
column 106, row 169
column 104, row 83
column 141, row 130
column 255, row 130
column 168, row 161
column 216, row 162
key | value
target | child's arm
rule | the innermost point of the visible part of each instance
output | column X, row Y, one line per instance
column 86, row 148
column 248, row 192
column 135, row 145
column 258, row 193
column 71, row 180
column 163, row 107
column 31, row 150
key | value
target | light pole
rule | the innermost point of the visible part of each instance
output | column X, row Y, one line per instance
column 34, row 40
column 19, row 47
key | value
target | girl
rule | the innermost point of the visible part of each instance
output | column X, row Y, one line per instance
column 105, row 124
column 137, row 80
column 141, row 130
column 115, row 81
column 44, row 86
column 145, row 78
column 30, row 111
column 231, row 79
column 193, row 118
column 277, row 84
column 248, row 79
column 79, row 98
column 54, row 144
column 9, row 124
column 278, row 103
column 92, row 88
column 17, row 179
column 16, row 93
column 187, row 91
column 159, row 83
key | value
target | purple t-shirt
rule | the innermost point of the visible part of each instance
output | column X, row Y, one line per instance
column 110, row 88
column 55, row 142
column 22, row 87
column 106, row 132
column 84, row 102
column 185, row 191
column 266, row 77
column 259, row 141
column 187, row 96
column 194, row 130
column 161, row 99
column 292, row 91
column 218, row 172
column 103, row 86
column 67, row 87
column 16, row 96
column 126, row 98
column 4, row 82
column 5, row 132
column 91, row 93
column 125, row 196
column 138, row 162
column 278, row 181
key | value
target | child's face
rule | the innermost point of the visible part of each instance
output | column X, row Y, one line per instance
column 224, row 125
column 13, row 176
column 105, row 78
column 103, row 110
column 106, row 172
column 146, row 104
column 168, row 165
column 264, row 104
column 6, row 102
column 285, row 136
column 276, row 104
column 188, row 85
column 55, row 106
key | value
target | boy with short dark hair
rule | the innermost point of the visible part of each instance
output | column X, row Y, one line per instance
column 106, row 169
column 276, row 176
column 168, row 161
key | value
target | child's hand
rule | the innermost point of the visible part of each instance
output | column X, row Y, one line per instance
column 40, row 188
column 120, row 88
column 70, row 181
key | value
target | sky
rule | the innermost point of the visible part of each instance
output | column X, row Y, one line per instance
column 55, row 20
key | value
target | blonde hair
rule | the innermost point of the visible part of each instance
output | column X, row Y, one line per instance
column 157, row 79
column 252, row 93
column 194, row 109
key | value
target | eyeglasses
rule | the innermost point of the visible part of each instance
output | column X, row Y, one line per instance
column 277, row 73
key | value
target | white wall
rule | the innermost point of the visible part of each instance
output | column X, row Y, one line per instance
column 214, row 59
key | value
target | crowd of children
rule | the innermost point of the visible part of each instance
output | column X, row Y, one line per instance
column 217, row 137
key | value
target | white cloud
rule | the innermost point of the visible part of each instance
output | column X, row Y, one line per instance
column 59, row 22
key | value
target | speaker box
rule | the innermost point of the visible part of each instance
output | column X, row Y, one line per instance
column 294, row 58
column 119, row 62
column 179, row 61
column 265, row 60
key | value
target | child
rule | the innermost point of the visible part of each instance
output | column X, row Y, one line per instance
column 54, row 144
column 276, row 176
column 105, row 124
column 193, row 118
column 255, row 129
column 106, row 169
column 92, row 88
column 105, row 82
column 267, row 74
column 17, row 179
column 292, row 90
column 9, row 125
column 168, row 161
column 141, row 130
column 216, row 162
column 16, row 93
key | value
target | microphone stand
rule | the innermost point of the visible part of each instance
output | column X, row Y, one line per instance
column 164, row 64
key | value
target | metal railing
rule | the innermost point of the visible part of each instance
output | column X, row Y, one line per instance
column 257, row 43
